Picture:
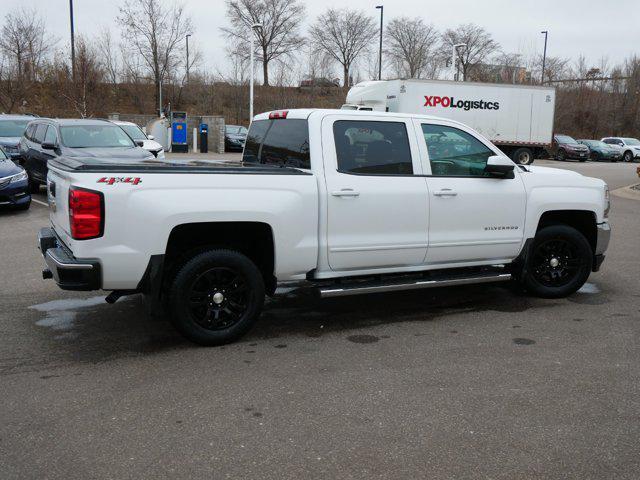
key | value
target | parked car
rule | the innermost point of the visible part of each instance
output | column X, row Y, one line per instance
column 629, row 146
column 345, row 202
column 234, row 137
column 14, row 185
column 46, row 138
column 11, row 129
column 600, row 151
column 564, row 147
column 137, row 135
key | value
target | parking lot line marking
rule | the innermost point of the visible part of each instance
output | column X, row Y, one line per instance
column 39, row 202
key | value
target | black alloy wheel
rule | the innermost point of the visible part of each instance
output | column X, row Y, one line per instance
column 216, row 297
column 555, row 262
column 558, row 263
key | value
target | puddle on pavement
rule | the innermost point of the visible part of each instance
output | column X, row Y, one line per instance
column 60, row 315
column 589, row 288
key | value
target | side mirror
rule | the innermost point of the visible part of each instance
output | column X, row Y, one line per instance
column 49, row 146
column 139, row 143
column 499, row 167
column 151, row 137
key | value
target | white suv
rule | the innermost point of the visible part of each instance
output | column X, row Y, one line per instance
column 630, row 147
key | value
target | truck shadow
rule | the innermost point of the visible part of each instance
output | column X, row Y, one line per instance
column 87, row 330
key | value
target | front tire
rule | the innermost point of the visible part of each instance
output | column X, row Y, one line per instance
column 562, row 156
column 559, row 262
column 216, row 297
column 628, row 156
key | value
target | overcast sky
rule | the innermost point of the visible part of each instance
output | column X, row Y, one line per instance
column 587, row 27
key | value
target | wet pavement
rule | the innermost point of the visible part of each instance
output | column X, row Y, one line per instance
column 473, row 382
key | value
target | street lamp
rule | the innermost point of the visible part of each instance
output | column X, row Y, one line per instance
column 453, row 58
column 544, row 56
column 254, row 27
column 381, row 7
column 187, row 39
column 73, row 43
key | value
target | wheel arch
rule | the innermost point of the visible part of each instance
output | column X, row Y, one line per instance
column 585, row 221
column 253, row 239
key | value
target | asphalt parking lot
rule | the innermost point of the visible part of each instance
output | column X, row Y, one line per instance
column 474, row 382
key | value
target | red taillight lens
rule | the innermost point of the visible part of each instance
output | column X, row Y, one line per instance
column 86, row 214
column 276, row 115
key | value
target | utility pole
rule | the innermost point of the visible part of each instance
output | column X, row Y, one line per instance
column 544, row 56
column 187, row 39
column 454, row 54
column 381, row 7
column 73, row 43
column 254, row 27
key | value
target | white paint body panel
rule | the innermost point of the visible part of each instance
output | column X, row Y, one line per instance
column 394, row 225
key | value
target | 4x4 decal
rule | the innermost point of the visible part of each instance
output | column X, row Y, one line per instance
column 112, row 180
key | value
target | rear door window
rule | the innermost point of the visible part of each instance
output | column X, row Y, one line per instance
column 365, row 147
column 278, row 142
column 40, row 132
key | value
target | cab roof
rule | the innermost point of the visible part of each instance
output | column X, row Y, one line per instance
column 305, row 113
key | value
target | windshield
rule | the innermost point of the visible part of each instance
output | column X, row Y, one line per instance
column 134, row 132
column 594, row 143
column 565, row 139
column 12, row 128
column 631, row 141
column 236, row 130
column 97, row 136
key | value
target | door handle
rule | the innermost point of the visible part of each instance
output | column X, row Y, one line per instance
column 445, row 192
column 345, row 192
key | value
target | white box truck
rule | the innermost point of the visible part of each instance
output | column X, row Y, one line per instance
column 516, row 118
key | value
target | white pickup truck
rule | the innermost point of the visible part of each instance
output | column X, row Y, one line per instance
column 345, row 202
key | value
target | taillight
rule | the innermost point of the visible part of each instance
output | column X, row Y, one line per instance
column 276, row 115
column 86, row 213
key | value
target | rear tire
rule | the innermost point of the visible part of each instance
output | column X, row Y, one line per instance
column 523, row 156
column 216, row 297
column 559, row 262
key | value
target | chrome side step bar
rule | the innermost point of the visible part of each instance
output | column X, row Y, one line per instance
column 362, row 288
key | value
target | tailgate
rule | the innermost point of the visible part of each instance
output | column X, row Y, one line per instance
column 58, row 183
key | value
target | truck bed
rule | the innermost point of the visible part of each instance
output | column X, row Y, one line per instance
column 187, row 165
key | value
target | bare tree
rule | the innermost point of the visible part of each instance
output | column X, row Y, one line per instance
column 154, row 30
column 110, row 60
column 24, row 45
column 84, row 92
column 278, row 37
column 343, row 34
column 411, row 44
column 479, row 45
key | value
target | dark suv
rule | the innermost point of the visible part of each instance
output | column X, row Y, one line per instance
column 564, row 147
column 45, row 139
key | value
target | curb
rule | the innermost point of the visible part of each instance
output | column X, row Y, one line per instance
column 628, row 192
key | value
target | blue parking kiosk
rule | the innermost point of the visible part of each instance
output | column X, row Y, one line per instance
column 179, row 142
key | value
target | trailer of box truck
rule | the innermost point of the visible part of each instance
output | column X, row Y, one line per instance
column 516, row 118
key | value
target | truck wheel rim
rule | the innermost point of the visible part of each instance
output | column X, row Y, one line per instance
column 524, row 158
column 218, row 298
column 556, row 262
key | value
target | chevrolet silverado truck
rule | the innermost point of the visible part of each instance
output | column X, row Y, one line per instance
column 344, row 202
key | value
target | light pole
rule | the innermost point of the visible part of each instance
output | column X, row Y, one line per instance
column 381, row 7
column 73, row 43
column 544, row 56
column 254, row 27
column 187, row 39
column 454, row 52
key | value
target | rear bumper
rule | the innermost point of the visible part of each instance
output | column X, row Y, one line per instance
column 69, row 273
column 602, row 243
